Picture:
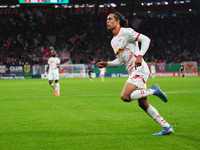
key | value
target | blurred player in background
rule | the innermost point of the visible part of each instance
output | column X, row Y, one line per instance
column 90, row 70
column 102, row 73
column 126, row 49
column 153, row 70
column 182, row 70
column 53, row 72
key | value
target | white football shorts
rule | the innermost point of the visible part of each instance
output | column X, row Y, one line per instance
column 138, row 80
column 54, row 75
column 102, row 73
column 153, row 71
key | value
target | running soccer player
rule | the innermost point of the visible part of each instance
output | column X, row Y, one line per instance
column 182, row 70
column 53, row 72
column 153, row 70
column 90, row 70
column 102, row 73
column 125, row 46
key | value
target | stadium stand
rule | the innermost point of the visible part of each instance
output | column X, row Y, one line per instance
column 26, row 33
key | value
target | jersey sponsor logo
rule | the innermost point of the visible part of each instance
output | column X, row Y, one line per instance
column 119, row 51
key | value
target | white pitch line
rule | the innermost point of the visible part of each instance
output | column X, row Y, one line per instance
column 95, row 95
column 184, row 91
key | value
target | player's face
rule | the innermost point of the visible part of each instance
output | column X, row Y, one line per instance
column 111, row 22
column 53, row 54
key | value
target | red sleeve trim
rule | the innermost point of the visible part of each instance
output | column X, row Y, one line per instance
column 137, row 37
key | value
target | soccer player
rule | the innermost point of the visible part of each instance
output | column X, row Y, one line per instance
column 102, row 73
column 53, row 72
column 126, row 49
column 90, row 70
column 153, row 70
column 182, row 70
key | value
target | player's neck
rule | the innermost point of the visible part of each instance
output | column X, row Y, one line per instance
column 116, row 30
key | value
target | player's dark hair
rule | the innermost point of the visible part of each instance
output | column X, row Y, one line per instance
column 123, row 22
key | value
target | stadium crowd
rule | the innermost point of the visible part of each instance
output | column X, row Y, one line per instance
column 25, row 38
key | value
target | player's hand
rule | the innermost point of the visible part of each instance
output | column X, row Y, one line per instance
column 138, row 61
column 45, row 74
column 102, row 64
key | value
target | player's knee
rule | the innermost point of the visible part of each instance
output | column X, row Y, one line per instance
column 125, row 98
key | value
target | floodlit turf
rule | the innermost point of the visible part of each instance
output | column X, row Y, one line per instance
column 90, row 115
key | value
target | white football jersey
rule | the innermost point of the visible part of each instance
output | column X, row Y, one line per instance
column 153, row 69
column 53, row 61
column 126, row 49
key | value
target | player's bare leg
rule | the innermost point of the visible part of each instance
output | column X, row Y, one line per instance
column 127, row 90
column 143, row 103
column 51, row 84
column 130, row 92
column 153, row 113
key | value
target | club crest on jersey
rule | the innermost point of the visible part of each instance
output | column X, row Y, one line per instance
column 119, row 51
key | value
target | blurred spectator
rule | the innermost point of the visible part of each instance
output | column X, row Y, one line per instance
column 82, row 38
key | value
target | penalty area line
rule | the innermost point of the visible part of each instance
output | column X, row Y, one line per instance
column 95, row 95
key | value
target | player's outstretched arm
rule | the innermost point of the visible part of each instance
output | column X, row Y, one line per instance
column 102, row 64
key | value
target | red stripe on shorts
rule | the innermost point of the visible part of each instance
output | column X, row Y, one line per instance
column 143, row 80
column 135, row 77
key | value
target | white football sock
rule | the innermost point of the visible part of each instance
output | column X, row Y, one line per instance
column 102, row 78
column 151, row 111
column 58, row 87
column 141, row 93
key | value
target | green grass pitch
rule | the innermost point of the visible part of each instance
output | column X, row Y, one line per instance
column 89, row 115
